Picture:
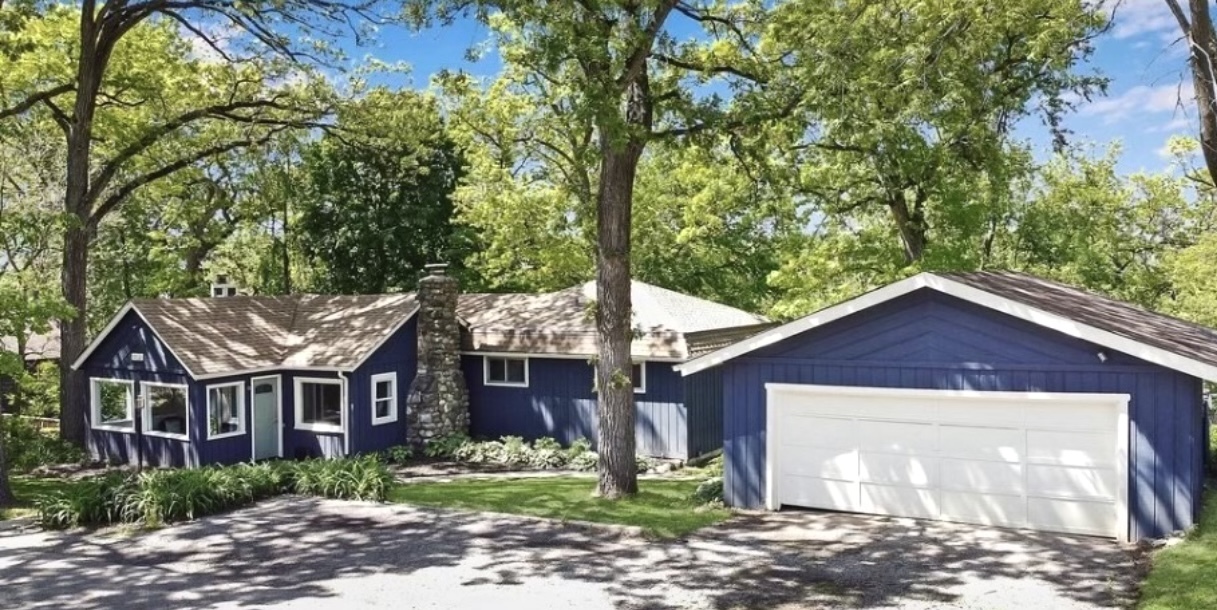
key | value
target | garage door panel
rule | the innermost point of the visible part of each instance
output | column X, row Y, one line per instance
column 985, row 509
column 982, row 476
column 911, row 471
column 1091, row 449
column 820, row 493
column 970, row 442
column 975, row 412
column 1011, row 460
column 899, row 501
column 821, row 463
column 897, row 437
column 1070, row 415
column 1072, row 482
column 825, row 432
column 1098, row 518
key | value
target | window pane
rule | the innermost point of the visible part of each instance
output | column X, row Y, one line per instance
column 497, row 369
column 636, row 375
column 384, row 408
column 166, row 409
column 114, row 402
column 322, row 403
column 515, row 371
column 224, row 410
column 384, row 389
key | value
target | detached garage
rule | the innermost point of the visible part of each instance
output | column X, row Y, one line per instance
column 991, row 398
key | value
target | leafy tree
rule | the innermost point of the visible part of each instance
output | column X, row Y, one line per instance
column 136, row 102
column 379, row 205
column 629, row 70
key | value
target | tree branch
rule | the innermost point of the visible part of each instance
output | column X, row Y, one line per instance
column 35, row 99
column 1180, row 16
column 638, row 58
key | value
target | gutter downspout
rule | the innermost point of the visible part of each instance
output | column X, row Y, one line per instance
column 346, row 413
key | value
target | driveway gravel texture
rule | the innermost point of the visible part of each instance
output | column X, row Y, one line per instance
column 295, row 552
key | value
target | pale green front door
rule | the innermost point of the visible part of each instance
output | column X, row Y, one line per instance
column 266, row 418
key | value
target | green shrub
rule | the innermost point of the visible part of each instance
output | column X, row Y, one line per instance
column 157, row 497
column 28, row 447
column 548, row 453
column 485, row 452
column 445, row 446
column 398, row 454
column 643, row 464
column 514, row 451
column 709, row 491
column 585, row 461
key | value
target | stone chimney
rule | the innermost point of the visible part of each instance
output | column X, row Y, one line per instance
column 438, row 402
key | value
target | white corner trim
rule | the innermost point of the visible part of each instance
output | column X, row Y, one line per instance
column 977, row 296
column 391, row 377
column 504, row 384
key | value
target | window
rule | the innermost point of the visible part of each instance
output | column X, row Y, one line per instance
column 505, row 371
column 319, row 405
column 384, row 398
column 113, row 404
column 166, row 413
column 638, row 374
column 225, row 410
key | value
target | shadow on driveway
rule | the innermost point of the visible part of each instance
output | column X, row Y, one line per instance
column 309, row 553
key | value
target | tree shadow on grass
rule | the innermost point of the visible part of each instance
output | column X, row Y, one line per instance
column 296, row 549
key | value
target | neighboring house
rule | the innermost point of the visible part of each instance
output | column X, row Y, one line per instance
column 221, row 380
column 993, row 398
column 39, row 348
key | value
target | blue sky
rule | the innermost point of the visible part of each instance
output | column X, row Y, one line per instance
column 1149, row 99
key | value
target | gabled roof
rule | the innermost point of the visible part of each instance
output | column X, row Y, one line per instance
column 1153, row 337
column 223, row 336
column 672, row 325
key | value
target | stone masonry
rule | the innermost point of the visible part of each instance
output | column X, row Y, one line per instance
column 438, row 402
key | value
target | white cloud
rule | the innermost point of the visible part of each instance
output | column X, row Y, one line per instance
column 1181, row 123
column 1141, row 100
column 1134, row 18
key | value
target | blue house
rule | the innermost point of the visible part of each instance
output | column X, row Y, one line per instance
column 992, row 398
column 187, row 382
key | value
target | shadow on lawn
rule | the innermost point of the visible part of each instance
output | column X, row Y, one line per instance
column 286, row 549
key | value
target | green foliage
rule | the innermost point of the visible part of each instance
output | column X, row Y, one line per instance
column 709, row 491
column 586, row 461
column 158, row 497
column 1181, row 576
column 28, row 447
column 379, row 203
column 445, row 447
column 398, row 454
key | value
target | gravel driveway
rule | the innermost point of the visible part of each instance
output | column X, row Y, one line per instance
column 308, row 553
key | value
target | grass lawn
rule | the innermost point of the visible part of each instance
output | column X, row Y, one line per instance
column 28, row 489
column 1184, row 577
column 662, row 508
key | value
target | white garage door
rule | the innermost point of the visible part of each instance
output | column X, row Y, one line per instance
column 1055, row 462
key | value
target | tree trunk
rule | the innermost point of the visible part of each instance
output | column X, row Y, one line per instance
column 911, row 225
column 73, row 390
column 1203, row 60
column 618, row 168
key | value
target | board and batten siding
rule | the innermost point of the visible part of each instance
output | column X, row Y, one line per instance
column 398, row 354
column 927, row 340
column 560, row 402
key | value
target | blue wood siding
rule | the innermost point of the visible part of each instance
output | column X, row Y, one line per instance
column 932, row 341
column 112, row 360
column 704, row 401
column 399, row 354
column 300, row 444
column 560, row 403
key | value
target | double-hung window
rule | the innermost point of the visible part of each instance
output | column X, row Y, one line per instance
column 505, row 371
column 384, row 398
column 225, row 410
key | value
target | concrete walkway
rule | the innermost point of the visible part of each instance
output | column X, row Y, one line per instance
column 297, row 552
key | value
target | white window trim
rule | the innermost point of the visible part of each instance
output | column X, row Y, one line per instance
column 240, row 386
column 642, row 365
column 95, row 405
column 298, row 424
column 504, row 384
column 391, row 377
column 148, row 409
